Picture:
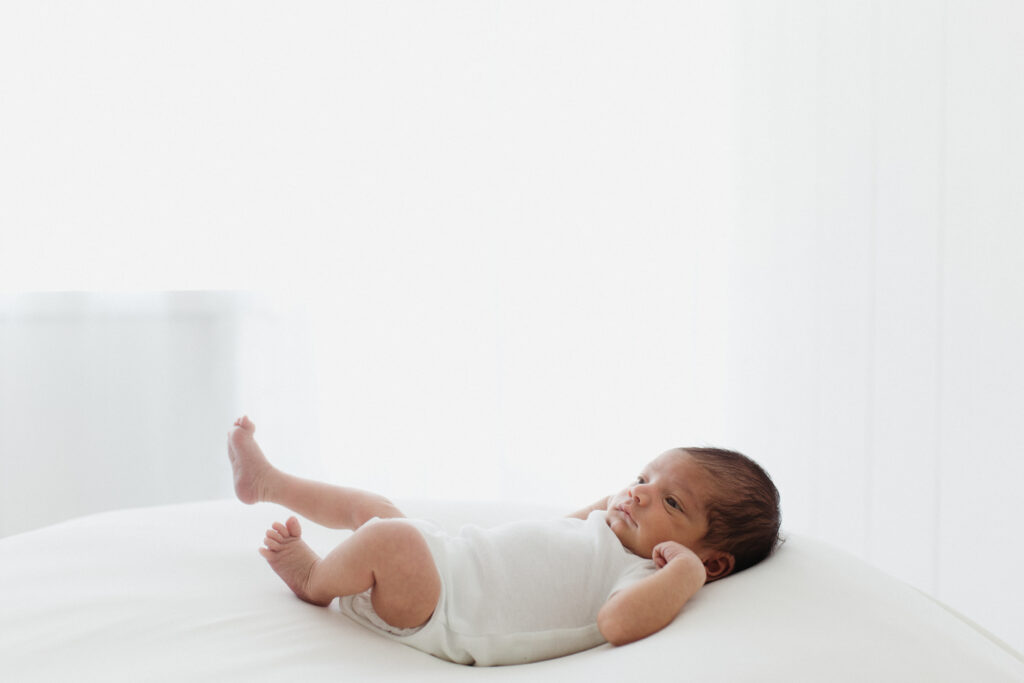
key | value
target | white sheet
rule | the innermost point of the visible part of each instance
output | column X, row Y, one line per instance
column 179, row 592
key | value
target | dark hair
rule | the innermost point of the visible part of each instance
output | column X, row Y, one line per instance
column 743, row 513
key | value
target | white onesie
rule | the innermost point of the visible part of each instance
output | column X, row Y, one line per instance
column 515, row 593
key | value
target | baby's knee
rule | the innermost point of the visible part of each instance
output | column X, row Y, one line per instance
column 391, row 536
column 374, row 505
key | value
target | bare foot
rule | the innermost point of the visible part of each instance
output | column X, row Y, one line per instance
column 251, row 468
column 292, row 559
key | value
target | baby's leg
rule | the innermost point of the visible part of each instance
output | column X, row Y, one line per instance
column 390, row 557
column 337, row 507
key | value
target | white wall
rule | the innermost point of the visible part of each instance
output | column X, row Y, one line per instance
column 523, row 247
column 878, row 284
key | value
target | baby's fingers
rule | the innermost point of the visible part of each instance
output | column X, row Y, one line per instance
column 659, row 557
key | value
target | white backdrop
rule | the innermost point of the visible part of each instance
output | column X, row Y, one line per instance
column 514, row 250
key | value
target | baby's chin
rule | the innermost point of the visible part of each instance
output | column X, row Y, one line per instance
column 621, row 530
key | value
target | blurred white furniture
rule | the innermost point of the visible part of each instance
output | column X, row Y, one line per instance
column 117, row 400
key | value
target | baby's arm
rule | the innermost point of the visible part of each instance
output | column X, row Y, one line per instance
column 585, row 512
column 650, row 604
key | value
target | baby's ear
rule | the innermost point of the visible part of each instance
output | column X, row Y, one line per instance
column 718, row 564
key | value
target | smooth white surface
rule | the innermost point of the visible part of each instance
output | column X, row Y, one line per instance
column 179, row 592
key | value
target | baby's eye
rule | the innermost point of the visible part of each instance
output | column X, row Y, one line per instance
column 640, row 479
column 672, row 502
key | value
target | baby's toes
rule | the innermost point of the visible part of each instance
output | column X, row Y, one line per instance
column 293, row 527
column 280, row 529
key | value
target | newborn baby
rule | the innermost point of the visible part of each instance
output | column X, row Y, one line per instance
column 616, row 571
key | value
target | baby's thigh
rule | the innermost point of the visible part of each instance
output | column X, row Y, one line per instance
column 407, row 584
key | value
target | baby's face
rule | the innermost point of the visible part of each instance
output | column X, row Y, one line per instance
column 665, row 503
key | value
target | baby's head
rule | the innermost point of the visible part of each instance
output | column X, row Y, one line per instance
column 720, row 504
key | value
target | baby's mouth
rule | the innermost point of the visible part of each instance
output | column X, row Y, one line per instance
column 622, row 508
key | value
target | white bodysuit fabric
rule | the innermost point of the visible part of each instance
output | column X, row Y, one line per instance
column 516, row 593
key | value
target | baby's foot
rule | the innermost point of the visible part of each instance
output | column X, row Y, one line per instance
column 251, row 468
column 292, row 559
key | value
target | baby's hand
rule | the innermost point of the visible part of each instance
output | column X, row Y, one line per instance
column 666, row 551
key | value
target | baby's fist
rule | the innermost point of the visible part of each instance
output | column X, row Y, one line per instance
column 666, row 551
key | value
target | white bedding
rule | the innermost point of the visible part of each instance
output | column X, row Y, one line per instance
column 180, row 593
